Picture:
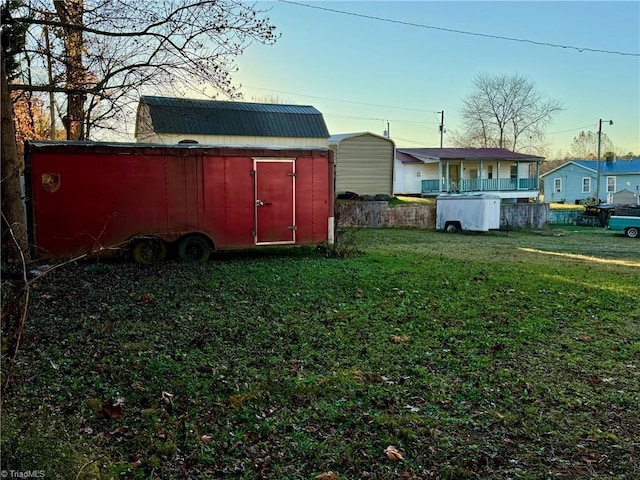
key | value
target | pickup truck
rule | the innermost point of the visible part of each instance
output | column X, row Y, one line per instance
column 626, row 220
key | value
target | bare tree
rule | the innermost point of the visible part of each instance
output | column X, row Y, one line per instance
column 103, row 53
column 272, row 99
column 585, row 146
column 14, row 233
column 96, row 56
column 504, row 110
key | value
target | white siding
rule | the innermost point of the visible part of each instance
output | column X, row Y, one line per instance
column 168, row 138
column 364, row 165
column 407, row 180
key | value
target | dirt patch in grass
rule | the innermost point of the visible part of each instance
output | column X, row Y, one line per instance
column 285, row 364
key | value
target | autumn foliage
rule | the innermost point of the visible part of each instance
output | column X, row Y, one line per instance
column 30, row 117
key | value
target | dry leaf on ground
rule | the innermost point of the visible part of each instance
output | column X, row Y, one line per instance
column 110, row 410
column 326, row 476
column 399, row 338
column 393, row 453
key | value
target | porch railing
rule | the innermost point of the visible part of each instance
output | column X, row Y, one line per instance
column 479, row 185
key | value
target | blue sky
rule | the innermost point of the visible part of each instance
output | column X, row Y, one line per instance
column 354, row 69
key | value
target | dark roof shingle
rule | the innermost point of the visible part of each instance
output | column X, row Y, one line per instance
column 623, row 166
column 468, row 154
column 213, row 117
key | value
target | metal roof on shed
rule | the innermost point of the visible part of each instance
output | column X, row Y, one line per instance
column 214, row 117
column 337, row 138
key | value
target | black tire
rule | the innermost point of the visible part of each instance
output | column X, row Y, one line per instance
column 452, row 227
column 632, row 232
column 146, row 251
column 194, row 249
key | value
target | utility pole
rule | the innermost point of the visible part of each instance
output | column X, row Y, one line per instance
column 441, row 126
column 598, row 161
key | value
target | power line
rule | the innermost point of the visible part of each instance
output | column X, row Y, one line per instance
column 340, row 100
column 572, row 129
column 411, row 123
column 393, row 137
column 463, row 32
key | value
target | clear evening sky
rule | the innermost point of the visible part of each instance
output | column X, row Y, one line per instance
column 363, row 72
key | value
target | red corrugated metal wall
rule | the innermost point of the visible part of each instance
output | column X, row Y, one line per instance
column 104, row 197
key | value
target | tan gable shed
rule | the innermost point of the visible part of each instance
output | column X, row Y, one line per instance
column 364, row 163
column 172, row 120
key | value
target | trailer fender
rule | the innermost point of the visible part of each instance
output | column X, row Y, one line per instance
column 147, row 249
column 194, row 248
column 452, row 227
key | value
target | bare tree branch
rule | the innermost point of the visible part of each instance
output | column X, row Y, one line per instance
column 501, row 110
column 130, row 46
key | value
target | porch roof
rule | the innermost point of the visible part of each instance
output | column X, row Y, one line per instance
column 434, row 155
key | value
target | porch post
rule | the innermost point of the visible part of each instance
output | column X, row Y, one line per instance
column 448, row 186
column 480, row 175
column 498, row 176
column 460, row 180
column 440, row 175
column 517, row 176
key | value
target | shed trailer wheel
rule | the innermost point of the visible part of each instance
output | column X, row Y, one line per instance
column 194, row 248
column 632, row 232
column 149, row 250
column 452, row 227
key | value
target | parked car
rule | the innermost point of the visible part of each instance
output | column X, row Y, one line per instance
column 626, row 219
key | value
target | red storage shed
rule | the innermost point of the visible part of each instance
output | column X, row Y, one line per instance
column 98, row 198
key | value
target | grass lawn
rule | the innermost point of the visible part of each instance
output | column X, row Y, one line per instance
column 481, row 356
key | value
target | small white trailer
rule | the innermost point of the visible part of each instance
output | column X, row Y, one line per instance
column 473, row 212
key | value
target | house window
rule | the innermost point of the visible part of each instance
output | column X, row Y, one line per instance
column 586, row 185
column 611, row 184
column 557, row 185
column 489, row 171
column 473, row 173
column 514, row 171
column 418, row 173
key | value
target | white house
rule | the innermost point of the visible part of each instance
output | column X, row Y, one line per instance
column 431, row 171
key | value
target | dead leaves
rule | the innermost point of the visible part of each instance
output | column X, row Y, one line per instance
column 326, row 476
column 147, row 299
column 399, row 339
column 393, row 453
column 594, row 379
column 584, row 338
column 111, row 409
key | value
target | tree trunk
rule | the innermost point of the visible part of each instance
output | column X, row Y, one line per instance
column 71, row 13
column 14, row 231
